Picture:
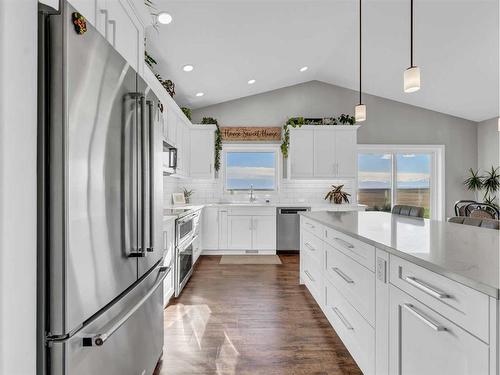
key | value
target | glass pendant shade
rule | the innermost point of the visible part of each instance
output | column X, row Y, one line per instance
column 360, row 112
column 412, row 79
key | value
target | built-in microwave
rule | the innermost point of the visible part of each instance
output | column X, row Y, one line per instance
column 186, row 227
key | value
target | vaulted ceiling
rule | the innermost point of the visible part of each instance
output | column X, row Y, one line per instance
column 230, row 42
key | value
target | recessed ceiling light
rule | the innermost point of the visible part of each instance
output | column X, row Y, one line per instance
column 164, row 18
column 199, row 94
column 303, row 69
column 188, row 68
column 251, row 82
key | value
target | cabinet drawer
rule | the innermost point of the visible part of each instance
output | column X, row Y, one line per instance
column 312, row 246
column 312, row 275
column 462, row 305
column 356, row 334
column 421, row 341
column 355, row 282
column 251, row 211
column 312, row 227
column 357, row 250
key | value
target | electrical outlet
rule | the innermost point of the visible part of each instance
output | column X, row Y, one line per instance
column 381, row 270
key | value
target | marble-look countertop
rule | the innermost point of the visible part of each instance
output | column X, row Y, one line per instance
column 467, row 254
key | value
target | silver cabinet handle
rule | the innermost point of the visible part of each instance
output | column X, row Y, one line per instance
column 309, row 246
column 343, row 319
column 435, row 326
column 100, row 338
column 310, row 225
column 346, row 278
column 309, row 275
column 344, row 243
column 426, row 288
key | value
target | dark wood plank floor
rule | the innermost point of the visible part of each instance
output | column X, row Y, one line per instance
column 250, row 319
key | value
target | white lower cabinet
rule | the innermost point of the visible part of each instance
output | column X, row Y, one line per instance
column 393, row 316
column 264, row 232
column 356, row 333
column 230, row 229
column 423, row 342
column 210, row 228
column 239, row 232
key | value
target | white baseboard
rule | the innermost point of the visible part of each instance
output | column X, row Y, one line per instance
column 237, row 252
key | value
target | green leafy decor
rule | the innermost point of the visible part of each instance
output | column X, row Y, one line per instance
column 294, row 122
column 491, row 185
column 346, row 119
column 149, row 59
column 337, row 195
column 187, row 194
column 187, row 112
column 218, row 140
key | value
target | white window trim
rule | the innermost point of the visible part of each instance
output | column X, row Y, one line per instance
column 252, row 147
column 438, row 203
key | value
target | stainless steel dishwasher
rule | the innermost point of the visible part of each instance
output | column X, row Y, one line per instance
column 288, row 236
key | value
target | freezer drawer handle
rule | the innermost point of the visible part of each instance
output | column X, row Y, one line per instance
column 100, row 338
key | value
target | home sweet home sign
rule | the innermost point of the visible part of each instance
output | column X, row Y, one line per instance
column 251, row 134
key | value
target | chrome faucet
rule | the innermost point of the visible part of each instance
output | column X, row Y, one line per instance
column 252, row 198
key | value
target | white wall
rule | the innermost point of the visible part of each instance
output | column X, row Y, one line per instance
column 488, row 145
column 389, row 122
column 18, row 48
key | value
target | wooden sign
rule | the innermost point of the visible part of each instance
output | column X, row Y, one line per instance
column 247, row 134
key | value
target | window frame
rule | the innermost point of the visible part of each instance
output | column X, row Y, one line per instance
column 437, row 183
column 252, row 148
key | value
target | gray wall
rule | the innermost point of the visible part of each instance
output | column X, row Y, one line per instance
column 488, row 144
column 389, row 122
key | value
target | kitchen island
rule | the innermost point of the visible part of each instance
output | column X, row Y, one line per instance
column 406, row 295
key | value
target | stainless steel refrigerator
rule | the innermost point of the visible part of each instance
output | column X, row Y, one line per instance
column 100, row 207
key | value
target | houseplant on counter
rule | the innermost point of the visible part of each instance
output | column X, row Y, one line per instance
column 187, row 194
column 337, row 195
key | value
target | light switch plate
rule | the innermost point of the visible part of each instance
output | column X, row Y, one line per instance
column 381, row 270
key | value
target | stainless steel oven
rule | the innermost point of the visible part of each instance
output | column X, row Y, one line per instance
column 187, row 227
column 184, row 264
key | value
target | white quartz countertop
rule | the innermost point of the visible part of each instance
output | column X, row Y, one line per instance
column 467, row 254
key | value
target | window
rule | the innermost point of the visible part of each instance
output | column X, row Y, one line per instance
column 251, row 169
column 408, row 175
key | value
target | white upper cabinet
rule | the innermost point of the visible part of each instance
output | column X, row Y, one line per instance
column 346, row 153
column 125, row 32
column 325, row 164
column 301, row 153
column 323, row 152
column 202, row 151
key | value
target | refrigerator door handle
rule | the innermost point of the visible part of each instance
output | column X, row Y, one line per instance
column 151, row 171
column 99, row 339
column 130, row 161
column 143, row 185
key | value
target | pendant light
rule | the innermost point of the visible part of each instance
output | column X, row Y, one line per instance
column 360, row 109
column 412, row 74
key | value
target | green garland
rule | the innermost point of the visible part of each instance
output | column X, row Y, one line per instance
column 294, row 122
column 218, row 140
column 297, row 122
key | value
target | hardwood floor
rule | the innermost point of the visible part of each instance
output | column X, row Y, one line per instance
column 250, row 319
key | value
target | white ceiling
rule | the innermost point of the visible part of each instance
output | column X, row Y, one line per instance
column 232, row 41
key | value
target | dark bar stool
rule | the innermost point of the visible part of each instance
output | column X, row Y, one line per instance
column 412, row 211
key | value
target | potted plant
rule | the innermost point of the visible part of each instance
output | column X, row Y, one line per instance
column 337, row 195
column 187, row 112
column 474, row 183
column 187, row 194
column 491, row 185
